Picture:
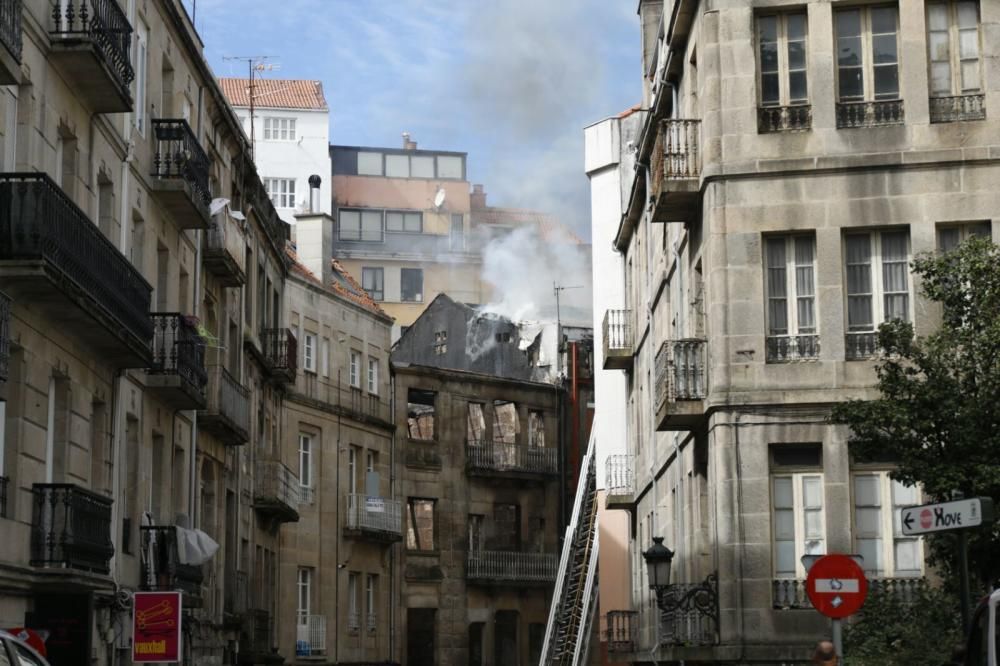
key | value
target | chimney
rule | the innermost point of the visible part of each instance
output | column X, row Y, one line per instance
column 315, row 206
column 407, row 144
column 478, row 197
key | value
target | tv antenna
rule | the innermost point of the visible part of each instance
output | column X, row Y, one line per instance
column 255, row 64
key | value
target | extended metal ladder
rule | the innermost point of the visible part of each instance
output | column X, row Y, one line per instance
column 574, row 599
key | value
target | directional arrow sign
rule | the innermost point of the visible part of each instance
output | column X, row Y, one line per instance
column 957, row 515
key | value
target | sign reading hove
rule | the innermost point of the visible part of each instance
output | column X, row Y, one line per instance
column 956, row 515
column 156, row 627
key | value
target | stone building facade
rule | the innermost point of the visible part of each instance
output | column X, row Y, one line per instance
column 791, row 162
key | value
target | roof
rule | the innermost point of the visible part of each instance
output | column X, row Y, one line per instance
column 549, row 228
column 276, row 93
column 629, row 111
column 342, row 284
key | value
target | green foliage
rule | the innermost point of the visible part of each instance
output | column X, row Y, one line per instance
column 922, row 629
column 938, row 414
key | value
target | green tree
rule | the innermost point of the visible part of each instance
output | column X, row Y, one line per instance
column 938, row 413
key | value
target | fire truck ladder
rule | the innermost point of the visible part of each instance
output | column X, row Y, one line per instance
column 574, row 599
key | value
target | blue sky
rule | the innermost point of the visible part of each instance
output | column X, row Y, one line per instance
column 511, row 82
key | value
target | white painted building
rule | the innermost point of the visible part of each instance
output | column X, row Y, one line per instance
column 291, row 138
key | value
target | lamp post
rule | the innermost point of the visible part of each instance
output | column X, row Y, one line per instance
column 658, row 560
column 695, row 602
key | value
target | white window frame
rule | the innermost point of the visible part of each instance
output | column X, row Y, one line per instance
column 353, row 615
column 352, row 470
column 305, row 462
column 370, row 602
column 279, row 129
column 867, row 57
column 369, row 461
column 141, row 77
column 877, row 276
column 799, row 520
column 375, row 291
column 304, row 586
column 309, row 352
column 955, row 59
column 890, row 531
column 324, row 358
column 784, row 70
column 355, row 369
column 791, row 293
column 281, row 191
column 373, row 375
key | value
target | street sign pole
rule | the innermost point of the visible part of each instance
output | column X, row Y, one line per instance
column 963, row 569
column 838, row 639
column 837, row 587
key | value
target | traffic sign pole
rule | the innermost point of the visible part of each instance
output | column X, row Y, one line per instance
column 963, row 570
column 838, row 640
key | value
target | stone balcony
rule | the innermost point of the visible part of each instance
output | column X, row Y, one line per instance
column 621, row 631
column 619, row 483
column 675, row 171
column 681, row 384
column 618, row 339
column 224, row 251
column 276, row 491
column 227, row 414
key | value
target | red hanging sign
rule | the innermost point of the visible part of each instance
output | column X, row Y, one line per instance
column 156, row 627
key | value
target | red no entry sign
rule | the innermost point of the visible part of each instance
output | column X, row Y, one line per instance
column 837, row 586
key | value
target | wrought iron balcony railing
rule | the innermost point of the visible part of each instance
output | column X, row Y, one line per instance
column 4, row 337
column 276, row 491
column 38, row 222
column 508, row 566
column 280, row 350
column 70, row 528
column 310, row 636
column 10, row 29
column 782, row 348
column 621, row 630
column 958, row 108
column 790, row 593
column 228, row 412
column 619, row 481
column 162, row 566
column 869, row 114
column 180, row 160
column 224, row 251
column 618, row 340
column 794, row 118
column 491, row 456
column 689, row 613
column 178, row 360
column 375, row 516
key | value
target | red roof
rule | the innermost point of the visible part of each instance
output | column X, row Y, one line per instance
column 275, row 93
column 343, row 284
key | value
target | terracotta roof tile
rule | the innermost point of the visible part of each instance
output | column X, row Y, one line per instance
column 276, row 93
column 343, row 283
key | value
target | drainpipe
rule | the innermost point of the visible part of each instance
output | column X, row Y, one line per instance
column 196, row 311
column 392, row 495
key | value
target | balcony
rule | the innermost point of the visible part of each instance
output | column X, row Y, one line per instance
column 224, row 251
column 180, row 173
column 869, row 114
column 790, row 593
column 70, row 528
column 860, row 346
column 690, row 614
column 162, row 569
column 54, row 257
column 227, row 415
column 177, row 375
column 675, row 170
column 784, row 348
column 680, row 384
column 619, row 482
column 795, row 118
column 490, row 457
column 10, row 39
column 375, row 518
column 4, row 337
column 276, row 492
column 281, row 352
column 509, row 567
column 310, row 636
column 618, row 340
column 621, row 631
column 958, row 108
column 90, row 46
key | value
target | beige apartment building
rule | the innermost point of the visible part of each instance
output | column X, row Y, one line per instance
column 792, row 158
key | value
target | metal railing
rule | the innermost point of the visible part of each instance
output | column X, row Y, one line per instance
column 310, row 636
column 179, row 155
column 675, row 153
column 102, row 22
column 162, row 569
column 859, row 346
column 10, row 27
column 959, row 107
column 275, row 483
column 374, row 514
column 621, row 630
column 790, row 593
column 869, row 114
column 178, row 349
column 228, row 398
column 794, row 118
column 4, row 337
column 509, row 565
column 680, row 371
column 689, row 613
column 498, row 456
column 792, row 348
column 280, row 350
column 70, row 528
column 38, row 221
column 617, row 328
column 619, row 478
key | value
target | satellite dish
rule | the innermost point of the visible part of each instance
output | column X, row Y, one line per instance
column 440, row 197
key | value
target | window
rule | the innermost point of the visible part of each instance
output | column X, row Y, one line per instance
column 440, row 343
column 878, row 286
column 360, row 225
column 325, row 357
column 141, row 77
column 372, row 281
column 951, row 236
column 353, row 614
column 279, row 129
column 404, row 221
column 370, row 603
column 369, row 164
column 397, row 166
column 373, row 375
column 352, row 470
column 450, row 166
column 421, row 166
column 305, row 467
column 868, row 63
column 798, row 529
column 355, row 369
column 878, row 535
column 782, row 42
column 953, row 48
column 411, row 282
column 791, row 297
column 309, row 353
column 475, row 423
column 281, row 191
column 420, row 524
column 536, row 429
column 457, row 232
column 420, row 414
column 305, row 595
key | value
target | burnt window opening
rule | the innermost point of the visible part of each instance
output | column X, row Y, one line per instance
column 506, row 527
column 440, row 342
column 475, row 423
column 505, row 423
column 536, row 429
column 503, row 337
column 420, row 414
column 536, row 532
column 420, row 524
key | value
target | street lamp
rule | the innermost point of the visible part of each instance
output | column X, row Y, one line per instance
column 658, row 560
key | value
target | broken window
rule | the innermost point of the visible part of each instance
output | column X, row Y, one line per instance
column 503, row 337
column 420, row 414
column 420, row 524
column 507, row 527
column 475, row 424
column 475, row 533
column 505, row 423
column 440, row 342
column 536, row 429
column 536, row 532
